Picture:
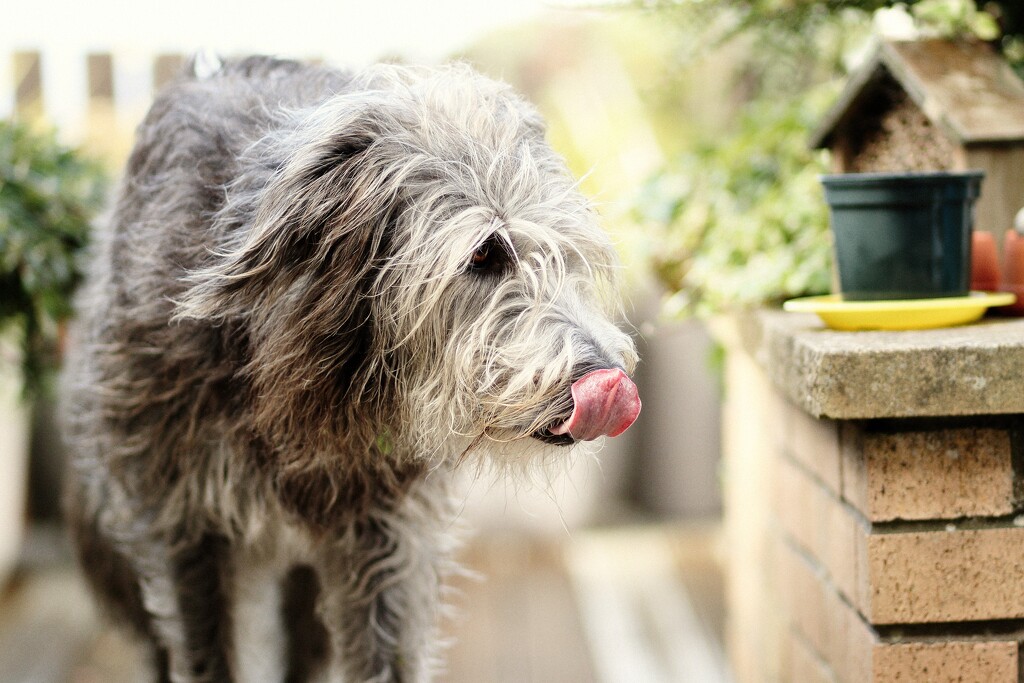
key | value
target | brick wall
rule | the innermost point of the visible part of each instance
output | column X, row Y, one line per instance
column 890, row 550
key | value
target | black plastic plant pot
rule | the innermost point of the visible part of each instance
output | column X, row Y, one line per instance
column 902, row 235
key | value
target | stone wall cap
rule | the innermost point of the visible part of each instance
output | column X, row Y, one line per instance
column 969, row 370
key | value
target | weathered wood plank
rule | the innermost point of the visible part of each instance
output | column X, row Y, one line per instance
column 28, row 84
column 100, row 73
column 166, row 68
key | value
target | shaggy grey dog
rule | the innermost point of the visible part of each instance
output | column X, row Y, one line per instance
column 318, row 294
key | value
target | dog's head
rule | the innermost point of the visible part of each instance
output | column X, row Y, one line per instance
column 411, row 262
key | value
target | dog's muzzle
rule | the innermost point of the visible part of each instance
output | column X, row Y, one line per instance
column 605, row 403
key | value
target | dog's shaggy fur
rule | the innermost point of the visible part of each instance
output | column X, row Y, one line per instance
column 317, row 295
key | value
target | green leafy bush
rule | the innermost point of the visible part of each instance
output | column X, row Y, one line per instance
column 743, row 222
column 740, row 220
column 48, row 194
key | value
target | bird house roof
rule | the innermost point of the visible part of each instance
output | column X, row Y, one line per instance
column 964, row 87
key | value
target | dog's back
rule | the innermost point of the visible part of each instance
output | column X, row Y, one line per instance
column 187, row 150
column 128, row 357
column 141, row 393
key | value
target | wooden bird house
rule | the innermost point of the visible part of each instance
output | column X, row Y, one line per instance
column 934, row 105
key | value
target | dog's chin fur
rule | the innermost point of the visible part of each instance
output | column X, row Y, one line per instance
column 317, row 294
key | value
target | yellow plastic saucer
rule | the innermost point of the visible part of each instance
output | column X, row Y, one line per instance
column 902, row 314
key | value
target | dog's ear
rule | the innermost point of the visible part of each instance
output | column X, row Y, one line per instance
column 297, row 273
column 309, row 202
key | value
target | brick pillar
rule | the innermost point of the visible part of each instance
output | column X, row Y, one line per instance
column 891, row 547
column 897, row 553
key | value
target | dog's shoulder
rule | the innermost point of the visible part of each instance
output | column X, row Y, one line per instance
column 243, row 90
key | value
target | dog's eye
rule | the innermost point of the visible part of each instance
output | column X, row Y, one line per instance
column 482, row 255
column 489, row 257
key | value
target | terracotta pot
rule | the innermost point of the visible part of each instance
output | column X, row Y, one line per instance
column 1013, row 271
column 985, row 275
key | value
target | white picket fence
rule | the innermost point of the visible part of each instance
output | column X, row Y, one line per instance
column 93, row 100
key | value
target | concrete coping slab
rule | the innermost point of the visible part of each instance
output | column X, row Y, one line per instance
column 974, row 369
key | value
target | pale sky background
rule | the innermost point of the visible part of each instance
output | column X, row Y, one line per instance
column 342, row 32
column 343, row 29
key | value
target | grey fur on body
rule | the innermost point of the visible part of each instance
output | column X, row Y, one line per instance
column 319, row 293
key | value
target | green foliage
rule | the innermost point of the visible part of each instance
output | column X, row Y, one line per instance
column 742, row 222
column 955, row 18
column 985, row 19
column 48, row 193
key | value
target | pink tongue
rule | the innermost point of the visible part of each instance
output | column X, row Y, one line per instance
column 604, row 402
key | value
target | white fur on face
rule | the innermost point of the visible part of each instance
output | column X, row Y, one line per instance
column 491, row 355
column 496, row 353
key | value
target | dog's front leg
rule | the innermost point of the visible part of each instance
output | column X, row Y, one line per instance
column 183, row 591
column 380, row 603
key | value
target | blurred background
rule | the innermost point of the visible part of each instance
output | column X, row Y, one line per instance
column 688, row 121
